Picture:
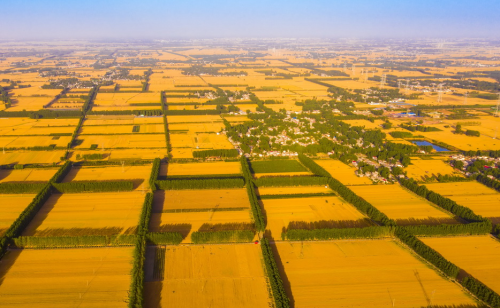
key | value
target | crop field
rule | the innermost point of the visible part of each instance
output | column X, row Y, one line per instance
column 32, row 141
column 482, row 200
column 193, row 119
column 296, row 190
column 280, row 212
column 182, row 153
column 10, row 208
column 402, row 205
column 25, row 126
column 31, row 157
column 205, row 168
column 30, row 103
column 87, row 213
column 277, row 166
column 83, row 277
column 171, row 200
column 121, row 120
column 477, row 255
column 342, row 172
column 122, row 141
column 463, row 142
column 200, row 141
column 26, row 175
column 420, row 168
column 121, row 129
column 109, row 173
column 354, row 273
column 126, row 99
column 197, row 276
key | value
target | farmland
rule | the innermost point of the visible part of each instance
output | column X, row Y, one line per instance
column 353, row 273
column 342, row 172
column 208, row 168
column 10, row 208
column 402, row 205
column 477, row 255
column 78, row 277
column 195, row 276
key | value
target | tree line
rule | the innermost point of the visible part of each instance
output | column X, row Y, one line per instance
column 258, row 217
column 155, row 170
column 73, row 241
column 216, row 153
column 337, row 233
column 91, row 186
column 274, row 181
column 209, row 183
column 280, row 297
column 225, row 236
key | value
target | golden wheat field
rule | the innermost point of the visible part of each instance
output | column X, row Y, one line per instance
column 174, row 169
column 374, row 273
column 193, row 119
column 83, row 277
column 182, row 153
column 26, row 175
column 211, row 276
column 477, row 255
column 294, row 190
column 342, row 172
column 280, row 212
column 122, row 129
column 120, row 120
column 259, row 175
column 87, row 213
column 402, row 205
column 10, row 208
column 25, row 126
column 32, row 141
column 170, row 200
column 420, row 168
column 138, row 173
column 122, row 141
column 481, row 199
column 207, row 127
column 31, row 157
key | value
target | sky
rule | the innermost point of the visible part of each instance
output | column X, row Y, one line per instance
column 167, row 19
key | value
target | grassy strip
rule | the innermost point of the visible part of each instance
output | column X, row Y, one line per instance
column 275, row 166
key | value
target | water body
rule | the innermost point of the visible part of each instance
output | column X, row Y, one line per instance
column 435, row 147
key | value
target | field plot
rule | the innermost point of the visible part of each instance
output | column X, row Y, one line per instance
column 193, row 119
column 477, row 255
column 137, row 173
column 208, row 168
column 295, row 190
column 375, row 273
column 122, row 141
column 84, row 277
column 122, row 129
column 25, row 126
column 342, row 172
column 482, row 200
column 186, row 211
column 87, row 214
column 26, row 175
column 120, row 120
column 34, row 141
column 210, row 276
column 10, row 208
column 282, row 211
column 420, row 168
column 31, row 157
column 212, row 127
column 402, row 205
column 277, row 166
column 365, row 123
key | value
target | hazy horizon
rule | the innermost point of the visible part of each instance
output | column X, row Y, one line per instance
column 55, row 19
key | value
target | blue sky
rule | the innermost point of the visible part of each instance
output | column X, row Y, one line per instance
column 47, row 19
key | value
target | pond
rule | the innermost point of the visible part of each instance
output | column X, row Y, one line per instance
column 435, row 147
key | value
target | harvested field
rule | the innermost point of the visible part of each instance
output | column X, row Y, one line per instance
column 111, row 173
column 121, row 129
column 34, row 141
column 84, row 277
column 208, row 168
column 87, row 214
column 31, row 157
column 403, row 206
column 477, row 255
column 211, row 276
column 193, row 118
column 374, row 273
column 10, row 208
column 280, row 212
column 123, row 141
column 479, row 198
column 26, row 175
column 342, row 172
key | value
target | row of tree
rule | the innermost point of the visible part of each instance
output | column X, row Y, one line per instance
column 281, row 299
column 73, row 241
column 210, row 183
column 337, row 233
column 164, row 108
column 474, row 228
column 164, row 238
column 216, row 153
column 101, row 186
column 21, row 188
column 258, row 217
column 155, row 170
column 226, row 236
column 492, row 183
